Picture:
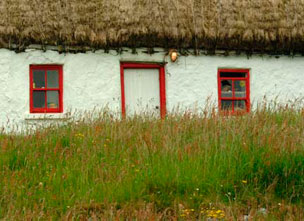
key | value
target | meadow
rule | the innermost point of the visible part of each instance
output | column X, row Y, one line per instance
column 185, row 167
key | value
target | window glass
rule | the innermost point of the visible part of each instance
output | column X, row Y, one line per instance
column 52, row 99
column 39, row 99
column 239, row 105
column 226, row 105
column 240, row 88
column 233, row 75
column 38, row 79
column 52, row 79
column 226, row 88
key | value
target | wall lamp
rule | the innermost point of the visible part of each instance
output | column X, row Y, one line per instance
column 173, row 55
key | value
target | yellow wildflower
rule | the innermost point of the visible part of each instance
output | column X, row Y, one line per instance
column 79, row 135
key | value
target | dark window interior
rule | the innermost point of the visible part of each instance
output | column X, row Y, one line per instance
column 233, row 75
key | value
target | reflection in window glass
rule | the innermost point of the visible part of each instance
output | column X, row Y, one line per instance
column 52, row 99
column 39, row 79
column 226, row 105
column 52, row 79
column 39, row 99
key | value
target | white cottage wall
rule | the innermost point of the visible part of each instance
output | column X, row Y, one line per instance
column 92, row 80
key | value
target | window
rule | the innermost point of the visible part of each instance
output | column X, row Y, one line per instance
column 46, row 89
column 233, row 88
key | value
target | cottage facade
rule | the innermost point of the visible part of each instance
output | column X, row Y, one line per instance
column 78, row 55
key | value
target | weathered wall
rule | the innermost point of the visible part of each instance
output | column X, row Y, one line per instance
column 92, row 80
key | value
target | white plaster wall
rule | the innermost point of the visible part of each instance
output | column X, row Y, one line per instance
column 92, row 80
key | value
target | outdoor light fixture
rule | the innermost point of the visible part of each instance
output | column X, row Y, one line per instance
column 173, row 55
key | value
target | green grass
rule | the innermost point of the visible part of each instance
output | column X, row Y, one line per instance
column 145, row 167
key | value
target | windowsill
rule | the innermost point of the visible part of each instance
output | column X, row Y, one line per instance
column 47, row 116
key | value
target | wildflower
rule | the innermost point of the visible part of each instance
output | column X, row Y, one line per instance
column 187, row 212
column 244, row 181
column 40, row 184
column 79, row 135
column 197, row 189
column 213, row 213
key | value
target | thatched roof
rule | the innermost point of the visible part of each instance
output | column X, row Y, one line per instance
column 250, row 25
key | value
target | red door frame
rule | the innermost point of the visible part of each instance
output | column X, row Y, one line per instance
column 162, row 83
column 247, row 79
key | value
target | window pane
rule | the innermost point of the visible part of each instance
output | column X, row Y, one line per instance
column 38, row 79
column 39, row 99
column 233, row 75
column 239, row 105
column 52, row 99
column 226, row 105
column 240, row 88
column 53, row 79
column 226, row 88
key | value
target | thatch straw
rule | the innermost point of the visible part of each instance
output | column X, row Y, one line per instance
column 252, row 25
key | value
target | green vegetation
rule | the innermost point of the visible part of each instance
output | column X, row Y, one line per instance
column 186, row 166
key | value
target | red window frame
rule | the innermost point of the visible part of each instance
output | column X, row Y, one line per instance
column 233, row 98
column 162, row 83
column 46, row 109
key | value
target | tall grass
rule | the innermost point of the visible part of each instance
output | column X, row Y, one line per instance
column 184, row 166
